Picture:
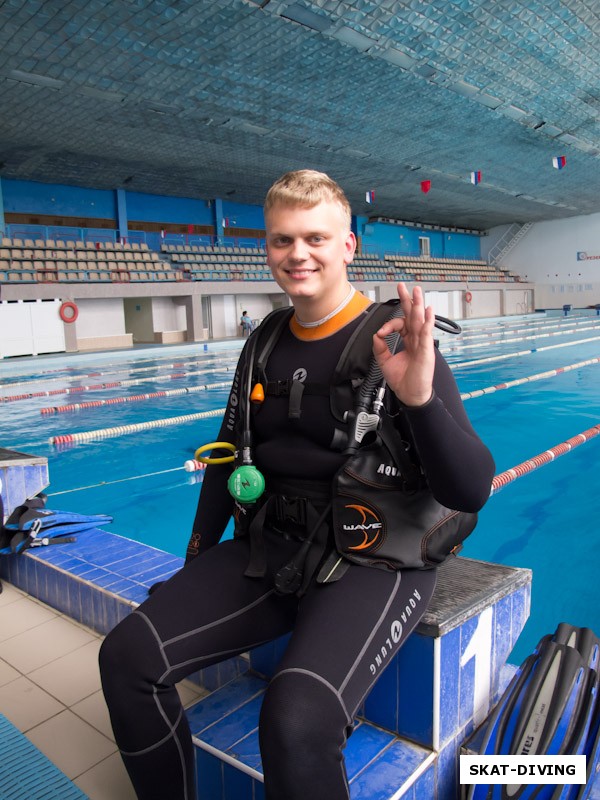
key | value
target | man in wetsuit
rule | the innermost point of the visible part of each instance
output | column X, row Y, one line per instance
column 216, row 607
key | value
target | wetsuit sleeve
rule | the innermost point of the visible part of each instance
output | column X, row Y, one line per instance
column 215, row 504
column 458, row 465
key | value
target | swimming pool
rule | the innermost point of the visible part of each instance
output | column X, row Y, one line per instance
column 545, row 520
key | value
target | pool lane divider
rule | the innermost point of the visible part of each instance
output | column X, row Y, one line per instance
column 504, row 478
column 502, row 335
column 504, row 326
column 530, row 378
column 225, row 384
column 490, row 359
column 129, row 370
column 214, row 366
column 459, row 346
column 122, row 430
column 462, row 343
column 114, row 384
column 134, row 398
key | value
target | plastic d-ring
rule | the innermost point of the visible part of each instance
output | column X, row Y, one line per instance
column 211, row 446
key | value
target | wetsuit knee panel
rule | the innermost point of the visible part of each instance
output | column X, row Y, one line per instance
column 301, row 711
column 131, row 654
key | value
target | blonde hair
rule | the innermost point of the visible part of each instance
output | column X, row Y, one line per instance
column 306, row 188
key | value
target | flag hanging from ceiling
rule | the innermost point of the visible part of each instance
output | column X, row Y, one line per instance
column 558, row 162
column 370, row 196
column 425, row 186
column 476, row 178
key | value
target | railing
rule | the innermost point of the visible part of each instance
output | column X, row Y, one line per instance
column 153, row 239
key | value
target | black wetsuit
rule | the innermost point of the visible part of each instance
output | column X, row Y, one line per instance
column 210, row 611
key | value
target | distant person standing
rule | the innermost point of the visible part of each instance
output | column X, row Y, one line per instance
column 246, row 323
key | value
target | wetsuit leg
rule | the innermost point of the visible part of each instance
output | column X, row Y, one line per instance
column 345, row 634
column 206, row 613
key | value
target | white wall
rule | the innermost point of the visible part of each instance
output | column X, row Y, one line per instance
column 548, row 256
column 257, row 305
column 224, row 316
column 518, row 301
column 168, row 315
column 29, row 328
column 484, row 304
column 138, row 318
column 100, row 317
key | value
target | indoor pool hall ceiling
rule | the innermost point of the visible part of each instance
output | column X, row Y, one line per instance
column 216, row 98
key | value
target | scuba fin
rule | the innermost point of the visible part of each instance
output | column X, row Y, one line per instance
column 32, row 525
column 549, row 708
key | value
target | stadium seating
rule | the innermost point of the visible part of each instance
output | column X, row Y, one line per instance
column 51, row 261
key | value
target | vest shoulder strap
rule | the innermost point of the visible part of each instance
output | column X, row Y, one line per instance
column 354, row 363
column 268, row 333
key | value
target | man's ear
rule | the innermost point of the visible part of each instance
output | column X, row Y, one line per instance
column 350, row 246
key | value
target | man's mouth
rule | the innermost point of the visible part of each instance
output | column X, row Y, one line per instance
column 299, row 273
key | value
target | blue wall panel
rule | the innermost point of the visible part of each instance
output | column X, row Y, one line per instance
column 243, row 216
column 178, row 210
column 462, row 245
column 382, row 238
column 29, row 197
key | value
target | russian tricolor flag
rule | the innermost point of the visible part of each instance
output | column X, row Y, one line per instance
column 370, row 196
column 475, row 178
column 558, row 162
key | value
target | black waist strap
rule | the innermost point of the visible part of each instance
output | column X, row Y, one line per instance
column 303, row 517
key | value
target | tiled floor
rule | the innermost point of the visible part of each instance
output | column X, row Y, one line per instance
column 50, row 690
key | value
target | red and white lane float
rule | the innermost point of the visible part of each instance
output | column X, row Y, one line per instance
column 529, row 379
column 504, row 478
column 123, row 430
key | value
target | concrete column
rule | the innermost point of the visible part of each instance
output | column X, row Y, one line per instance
column 122, row 214
column 2, row 224
column 218, row 219
column 193, row 317
column 70, row 328
column 502, row 302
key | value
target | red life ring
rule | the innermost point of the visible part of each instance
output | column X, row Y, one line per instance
column 68, row 311
column 468, row 297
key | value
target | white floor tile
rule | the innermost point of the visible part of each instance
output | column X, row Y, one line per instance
column 22, row 615
column 7, row 673
column 26, row 705
column 73, row 677
column 9, row 594
column 94, row 711
column 72, row 744
column 107, row 781
column 32, row 649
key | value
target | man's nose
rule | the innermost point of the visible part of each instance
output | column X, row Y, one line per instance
column 298, row 250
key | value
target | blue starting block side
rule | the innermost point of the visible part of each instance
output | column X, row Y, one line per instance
column 427, row 702
column 21, row 476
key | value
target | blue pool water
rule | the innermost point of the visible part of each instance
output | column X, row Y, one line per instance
column 545, row 521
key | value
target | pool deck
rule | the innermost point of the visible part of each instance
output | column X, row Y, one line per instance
column 50, row 690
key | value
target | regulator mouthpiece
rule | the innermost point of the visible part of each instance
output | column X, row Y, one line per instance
column 246, row 484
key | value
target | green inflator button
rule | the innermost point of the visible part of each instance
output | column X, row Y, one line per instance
column 246, row 484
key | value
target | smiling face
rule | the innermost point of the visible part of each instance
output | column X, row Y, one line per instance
column 308, row 250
